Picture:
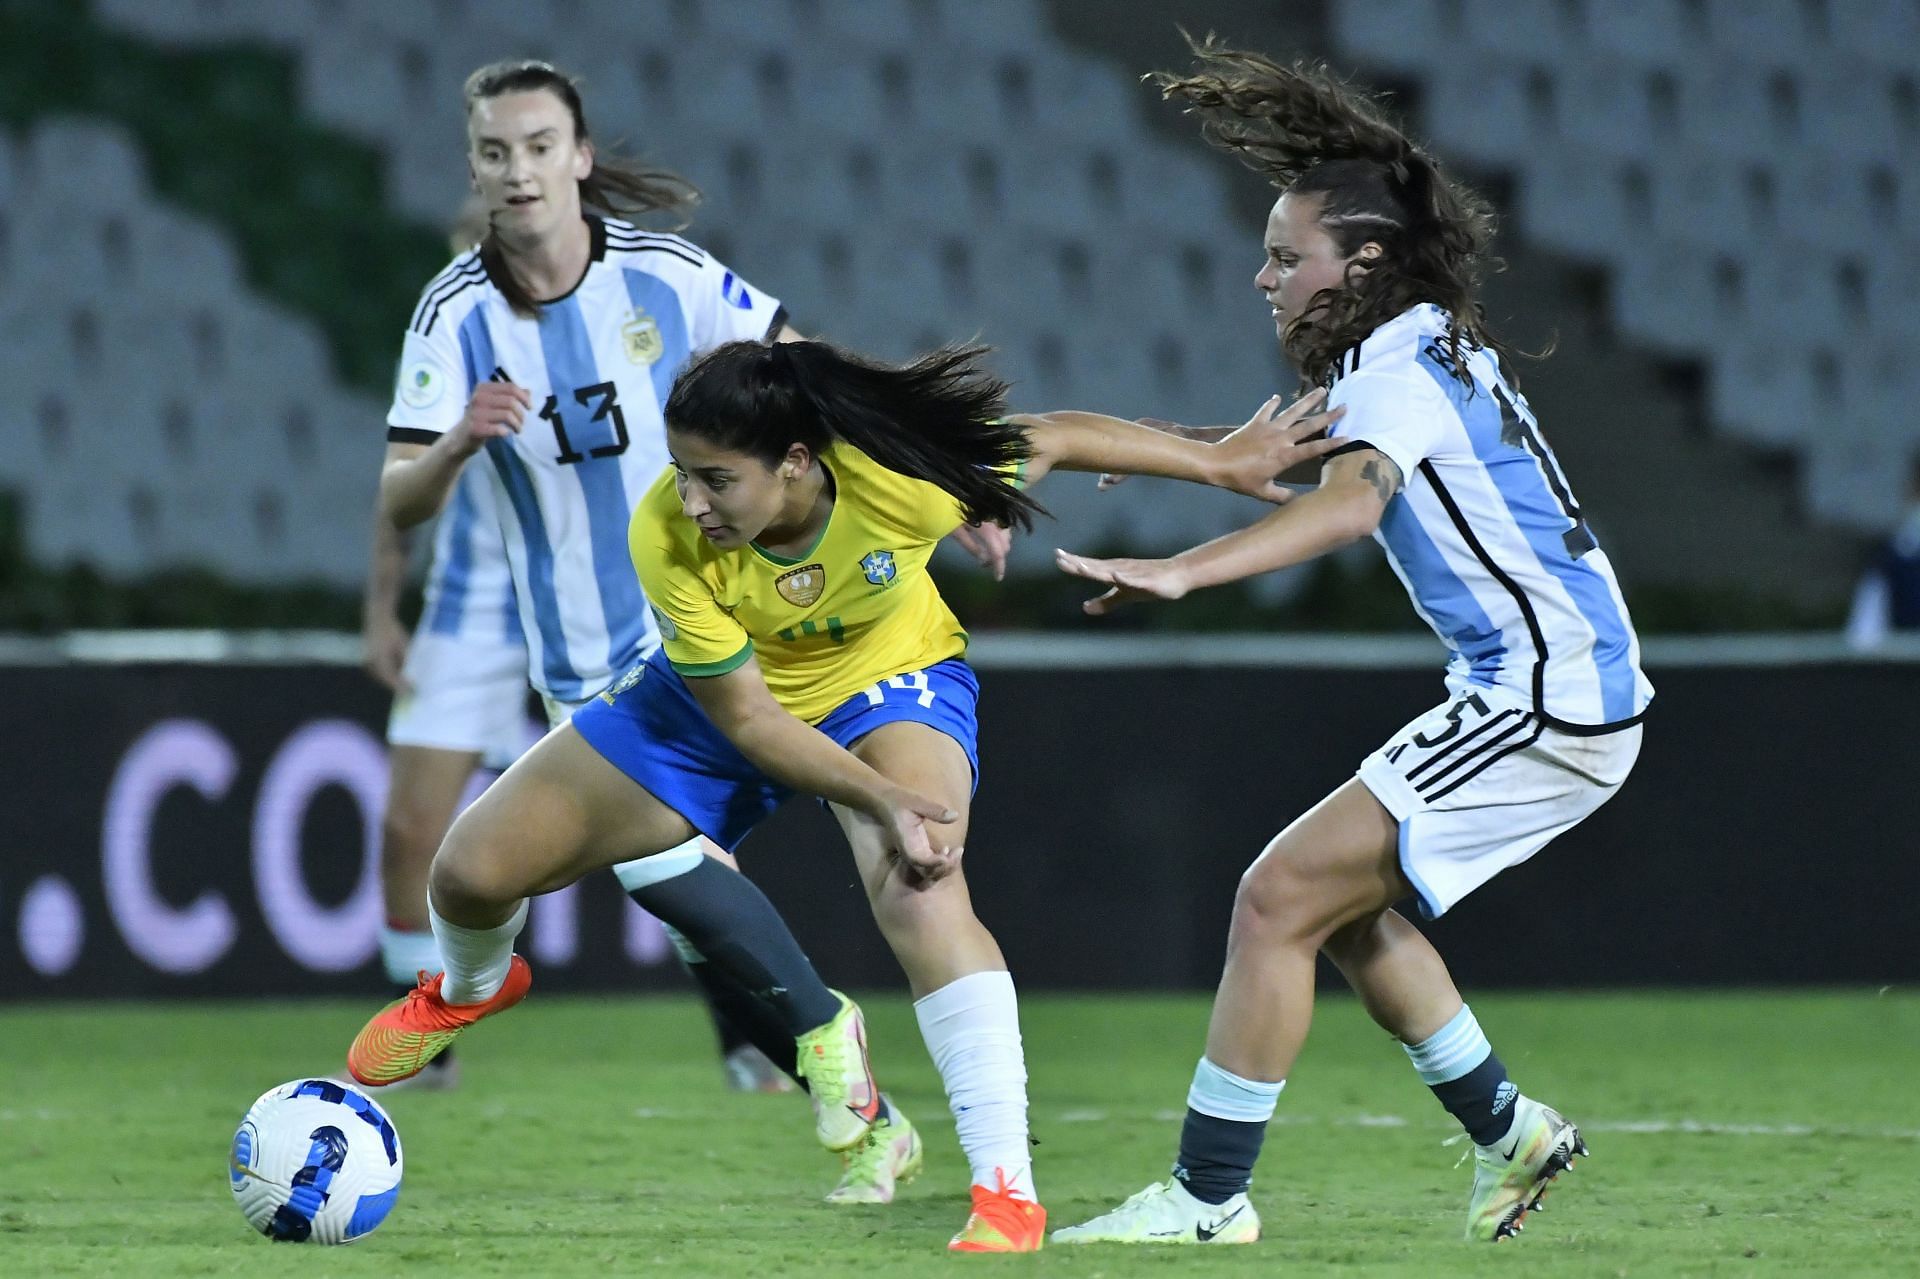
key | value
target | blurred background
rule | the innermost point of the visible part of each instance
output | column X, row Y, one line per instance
column 216, row 216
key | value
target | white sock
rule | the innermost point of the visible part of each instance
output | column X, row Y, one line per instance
column 406, row 953
column 972, row 1029
column 476, row 958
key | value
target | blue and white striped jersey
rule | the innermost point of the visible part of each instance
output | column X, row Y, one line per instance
column 469, row 592
column 1486, row 534
column 599, row 363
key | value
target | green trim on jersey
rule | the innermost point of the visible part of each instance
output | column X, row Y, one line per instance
column 722, row 667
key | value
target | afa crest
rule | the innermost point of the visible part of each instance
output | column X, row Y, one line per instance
column 801, row 586
column 879, row 567
column 641, row 336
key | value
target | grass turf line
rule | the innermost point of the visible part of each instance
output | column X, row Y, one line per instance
column 593, row 1136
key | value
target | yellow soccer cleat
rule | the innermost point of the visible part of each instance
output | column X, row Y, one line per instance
column 410, row 1032
column 889, row 1157
column 1001, row 1223
column 833, row 1061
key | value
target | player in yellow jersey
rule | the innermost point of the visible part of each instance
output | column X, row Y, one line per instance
column 806, row 650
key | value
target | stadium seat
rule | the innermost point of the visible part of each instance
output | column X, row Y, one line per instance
column 1484, row 109
column 1883, row 33
column 1785, row 29
column 1402, row 35
column 1521, row 33
column 1643, row 32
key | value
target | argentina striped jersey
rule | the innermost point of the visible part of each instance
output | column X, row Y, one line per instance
column 469, row 592
column 598, row 363
column 1485, row 533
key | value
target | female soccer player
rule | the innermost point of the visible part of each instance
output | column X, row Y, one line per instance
column 546, row 352
column 807, row 650
column 1373, row 257
column 460, row 693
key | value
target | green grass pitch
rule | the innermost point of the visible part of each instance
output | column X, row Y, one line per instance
column 1732, row 1134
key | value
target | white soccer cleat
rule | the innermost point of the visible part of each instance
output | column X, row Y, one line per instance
column 1511, row 1176
column 1166, row 1213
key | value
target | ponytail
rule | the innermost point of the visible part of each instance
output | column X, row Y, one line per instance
column 938, row 418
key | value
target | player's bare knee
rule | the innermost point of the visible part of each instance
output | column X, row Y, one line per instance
column 408, row 835
column 905, row 908
column 468, row 872
column 1276, row 902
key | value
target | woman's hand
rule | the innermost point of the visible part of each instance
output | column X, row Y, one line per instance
column 987, row 543
column 383, row 650
column 1129, row 581
column 497, row 409
column 1274, row 441
column 904, row 815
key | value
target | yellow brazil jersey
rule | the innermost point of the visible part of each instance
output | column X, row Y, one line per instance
column 858, row 607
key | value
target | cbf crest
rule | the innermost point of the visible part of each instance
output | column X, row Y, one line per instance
column 801, row 586
column 879, row 568
column 641, row 335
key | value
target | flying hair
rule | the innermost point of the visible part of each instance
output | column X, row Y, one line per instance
column 1310, row 133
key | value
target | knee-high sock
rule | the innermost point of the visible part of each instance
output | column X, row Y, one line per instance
column 972, row 1029
column 476, row 958
column 739, row 1016
column 729, row 922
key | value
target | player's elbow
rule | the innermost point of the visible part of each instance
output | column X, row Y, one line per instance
column 1355, row 515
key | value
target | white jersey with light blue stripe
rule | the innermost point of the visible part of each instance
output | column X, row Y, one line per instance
column 469, row 593
column 599, row 363
column 1486, row 534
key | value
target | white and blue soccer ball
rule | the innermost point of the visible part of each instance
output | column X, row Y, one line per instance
column 315, row 1161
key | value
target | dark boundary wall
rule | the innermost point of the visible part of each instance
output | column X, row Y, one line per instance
column 195, row 830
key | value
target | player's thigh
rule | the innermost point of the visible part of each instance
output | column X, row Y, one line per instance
column 424, row 788
column 924, row 760
column 1337, row 861
column 560, row 812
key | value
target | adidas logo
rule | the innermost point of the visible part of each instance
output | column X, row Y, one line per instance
column 1503, row 1096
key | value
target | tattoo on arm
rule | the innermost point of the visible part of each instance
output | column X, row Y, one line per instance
column 1383, row 475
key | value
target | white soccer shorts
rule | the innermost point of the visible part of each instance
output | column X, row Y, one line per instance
column 466, row 696
column 1478, row 786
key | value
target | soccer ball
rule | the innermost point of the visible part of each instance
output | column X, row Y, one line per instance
column 315, row 1162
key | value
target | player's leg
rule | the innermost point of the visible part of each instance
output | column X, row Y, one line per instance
column 424, row 789
column 1474, row 791
column 1331, row 866
column 756, row 1055
column 558, row 813
column 651, row 732
column 964, row 995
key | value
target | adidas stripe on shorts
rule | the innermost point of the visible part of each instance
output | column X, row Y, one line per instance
column 1478, row 786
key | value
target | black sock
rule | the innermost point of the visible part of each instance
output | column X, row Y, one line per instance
column 1482, row 1100
column 1217, row 1156
column 726, row 917
column 739, row 1018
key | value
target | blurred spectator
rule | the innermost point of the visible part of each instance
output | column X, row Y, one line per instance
column 1888, row 595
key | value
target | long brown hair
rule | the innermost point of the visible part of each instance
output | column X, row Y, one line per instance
column 1310, row 133
column 617, row 186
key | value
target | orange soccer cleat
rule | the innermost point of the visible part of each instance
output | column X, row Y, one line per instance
column 1001, row 1223
column 410, row 1032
